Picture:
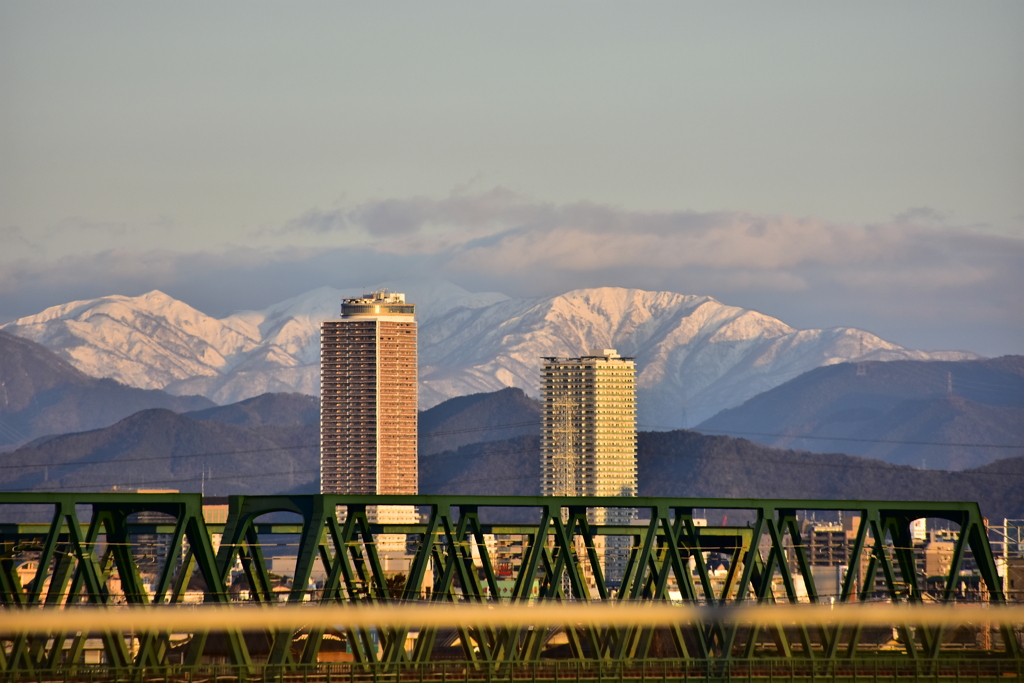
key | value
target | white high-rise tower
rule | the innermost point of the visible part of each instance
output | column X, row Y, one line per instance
column 588, row 442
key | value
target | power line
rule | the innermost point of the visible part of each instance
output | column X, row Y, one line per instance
column 154, row 482
column 845, row 438
column 511, row 452
column 243, row 451
column 74, row 463
column 11, row 432
column 481, row 429
column 723, row 432
column 850, row 466
column 520, row 451
column 939, row 374
column 252, row 450
column 457, row 482
column 781, row 461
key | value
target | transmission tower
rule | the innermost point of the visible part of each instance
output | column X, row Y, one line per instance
column 565, row 449
column 564, row 457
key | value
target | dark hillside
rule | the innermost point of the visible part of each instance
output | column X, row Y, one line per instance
column 268, row 409
column 684, row 463
column 872, row 409
column 42, row 394
column 479, row 417
column 509, row 467
column 262, row 446
column 161, row 449
column 688, row 464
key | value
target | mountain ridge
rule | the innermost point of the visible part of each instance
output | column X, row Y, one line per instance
column 907, row 413
column 493, row 416
column 267, row 445
column 42, row 394
column 158, row 448
column 683, row 463
column 695, row 355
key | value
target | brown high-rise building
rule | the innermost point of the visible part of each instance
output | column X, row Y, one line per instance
column 368, row 406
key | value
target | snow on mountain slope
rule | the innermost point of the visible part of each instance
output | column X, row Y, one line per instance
column 147, row 341
column 156, row 342
column 695, row 355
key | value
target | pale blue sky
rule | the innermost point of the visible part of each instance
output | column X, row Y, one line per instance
column 140, row 139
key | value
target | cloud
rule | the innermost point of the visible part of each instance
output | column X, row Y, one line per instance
column 16, row 244
column 913, row 284
column 921, row 214
column 770, row 250
column 401, row 217
column 316, row 221
column 216, row 283
column 501, row 232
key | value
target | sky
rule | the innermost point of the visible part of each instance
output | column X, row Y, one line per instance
column 829, row 164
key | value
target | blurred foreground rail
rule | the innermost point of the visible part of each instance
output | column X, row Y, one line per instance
column 85, row 580
column 652, row 671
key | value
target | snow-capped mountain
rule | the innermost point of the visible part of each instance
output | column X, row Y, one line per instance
column 695, row 355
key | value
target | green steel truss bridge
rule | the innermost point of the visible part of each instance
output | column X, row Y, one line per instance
column 62, row 550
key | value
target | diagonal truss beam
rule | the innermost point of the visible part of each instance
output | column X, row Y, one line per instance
column 97, row 560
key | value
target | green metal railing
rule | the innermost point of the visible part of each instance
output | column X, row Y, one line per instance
column 97, row 548
column 645, row 671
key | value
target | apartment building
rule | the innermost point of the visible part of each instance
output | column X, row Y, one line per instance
column 368, row 398
column 588, row 437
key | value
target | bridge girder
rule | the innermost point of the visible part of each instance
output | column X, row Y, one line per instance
column 97, row 561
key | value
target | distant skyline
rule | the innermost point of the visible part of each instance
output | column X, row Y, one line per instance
column 855, row 164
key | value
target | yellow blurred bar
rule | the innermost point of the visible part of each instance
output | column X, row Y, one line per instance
column 217, row 618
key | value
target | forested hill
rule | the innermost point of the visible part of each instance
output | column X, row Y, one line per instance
column 41, row 394
column 946, row 415
column 470, row 419
column 688, row 464
column 268, row 445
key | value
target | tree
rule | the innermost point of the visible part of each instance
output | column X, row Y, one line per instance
column 396, row 586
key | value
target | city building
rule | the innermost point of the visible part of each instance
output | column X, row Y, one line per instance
column 827, row 543
column 1009, row 540
column 588, row 440
column 368, row 404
